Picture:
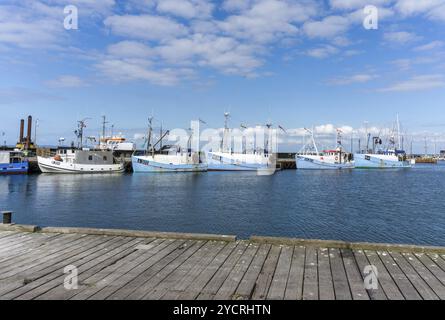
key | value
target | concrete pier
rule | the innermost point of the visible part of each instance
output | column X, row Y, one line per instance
column 122, row 264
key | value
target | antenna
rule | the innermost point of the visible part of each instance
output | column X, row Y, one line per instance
column 104, row 124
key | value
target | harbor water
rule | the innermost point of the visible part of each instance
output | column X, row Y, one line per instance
column 394, row 206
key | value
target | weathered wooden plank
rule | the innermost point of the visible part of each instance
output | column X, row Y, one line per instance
column 45, row 271
column 212, row 287
column 294, row 288
column 190, row 287
column 277, row 288
column 310, row 284
column 403, row 283
column 266, row 275
column 432, row 267
column 385, row 279
column 17, row 244
column 34, row 254
column 421, row 286
column 57, row 254
column 426, row 275
column 230, row 285
column 91, row 264
column 325, row 282
column 354, row 276
column 362, row 263
column 10, row 257
column 109, row 275
column 341, row 284
column 188, row 271
column 43, row 285
column 247, row 285
column 438, row 260
column 142, row 279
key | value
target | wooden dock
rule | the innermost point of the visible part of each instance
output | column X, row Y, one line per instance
column 119, row 264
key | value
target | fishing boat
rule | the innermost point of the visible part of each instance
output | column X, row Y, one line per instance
column 116, row 143
column 13, row 162
column 380, row 157
column 80, row 159
column 311, row 159
column 67, row 160
column 113, row 142
column 167, row 158
column 225, row 159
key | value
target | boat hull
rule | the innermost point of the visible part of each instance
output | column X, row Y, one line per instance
column 141, row 165
column 370, row 161
column 49, row 165
column 308, row 163
column 240, row 162
column 14, row 168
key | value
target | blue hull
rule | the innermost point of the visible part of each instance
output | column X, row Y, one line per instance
column 367, row 161
column 309, row 164
column 14, row 168
column 154, row 167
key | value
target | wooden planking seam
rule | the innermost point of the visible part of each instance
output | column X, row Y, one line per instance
column 348, row 245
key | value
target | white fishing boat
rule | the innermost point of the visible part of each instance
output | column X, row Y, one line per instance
column 311, row 159
column 167, row 158
column 114, row 142
column 68, row 160
column 380, row 157
column 80, row 160
column 225, row 159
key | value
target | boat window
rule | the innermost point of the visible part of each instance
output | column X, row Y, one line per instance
column 90, row 158
column 105, row 158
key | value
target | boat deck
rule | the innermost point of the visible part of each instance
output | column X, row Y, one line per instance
column 142, row 265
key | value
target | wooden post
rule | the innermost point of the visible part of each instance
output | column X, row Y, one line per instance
column 7, row 217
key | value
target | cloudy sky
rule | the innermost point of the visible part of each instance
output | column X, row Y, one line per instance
column 295, row 63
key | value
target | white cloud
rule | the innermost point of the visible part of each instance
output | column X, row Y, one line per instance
column 66, row 81
column 131, row 49
column 400, row 37
column 356, row 4
column 268, row 20
column 413, row 7
column 430, row 46
column 147, row 27
column 322, row 52
column 186, row 8
column 417, row 83
column 328, row 27
column 356, row 78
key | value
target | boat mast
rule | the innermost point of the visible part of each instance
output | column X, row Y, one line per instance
column 150, row 129
column 104, row 124
column 79, row 132
column 311, row 132
column 269, row 126
column 398, row 133
column 226, row 129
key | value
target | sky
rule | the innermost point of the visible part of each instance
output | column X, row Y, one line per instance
column 294, row 63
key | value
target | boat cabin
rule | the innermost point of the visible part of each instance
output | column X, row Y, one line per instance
column 10, row 157
column 91, row 157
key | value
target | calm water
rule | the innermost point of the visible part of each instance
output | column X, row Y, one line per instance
column 379, row 206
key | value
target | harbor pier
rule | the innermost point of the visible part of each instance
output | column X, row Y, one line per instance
column 122, row 264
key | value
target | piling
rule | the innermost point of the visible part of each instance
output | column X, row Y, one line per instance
column 7, row 217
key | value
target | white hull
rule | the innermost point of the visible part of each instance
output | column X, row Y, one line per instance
column 222, row 161
column 311, row 162
column 168, row 163
column 49, row 165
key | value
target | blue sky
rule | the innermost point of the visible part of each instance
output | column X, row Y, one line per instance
column 295, row 63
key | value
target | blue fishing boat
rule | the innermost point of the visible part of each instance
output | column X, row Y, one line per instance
column 13, row 162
